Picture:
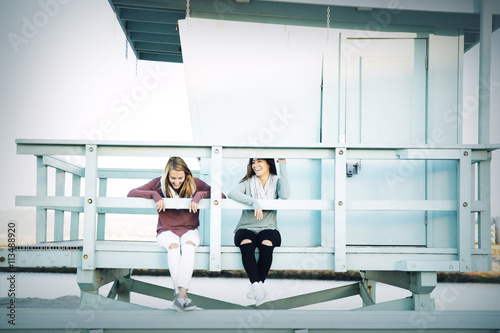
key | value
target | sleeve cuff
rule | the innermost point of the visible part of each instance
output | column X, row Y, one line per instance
column 157, row 197
column 256, row 205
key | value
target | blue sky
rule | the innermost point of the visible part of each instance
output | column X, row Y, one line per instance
column 67, row 78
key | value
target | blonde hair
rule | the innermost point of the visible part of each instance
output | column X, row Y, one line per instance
column 188, row 187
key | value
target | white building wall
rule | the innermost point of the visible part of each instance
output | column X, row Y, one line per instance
column 265, row 85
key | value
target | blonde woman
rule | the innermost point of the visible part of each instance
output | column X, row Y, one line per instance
column 177, row 229
column 258, row 228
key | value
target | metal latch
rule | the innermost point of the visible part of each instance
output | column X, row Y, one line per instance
column 353, row 168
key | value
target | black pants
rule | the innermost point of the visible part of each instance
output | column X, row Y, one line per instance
column 257, row 270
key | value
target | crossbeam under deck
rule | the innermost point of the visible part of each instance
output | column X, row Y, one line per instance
column 101, row 319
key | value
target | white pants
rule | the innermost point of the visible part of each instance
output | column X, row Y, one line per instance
column 180, row 258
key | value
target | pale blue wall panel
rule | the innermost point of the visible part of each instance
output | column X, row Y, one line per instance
column 387, row 180
column 385, row 90
column 386, row 228
column 442, row 229
column 443, row 113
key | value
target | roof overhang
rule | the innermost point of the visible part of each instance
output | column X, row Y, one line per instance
column 151, row 25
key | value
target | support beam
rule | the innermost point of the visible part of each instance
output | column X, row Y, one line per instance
column 416, row 282
column 485, row 71
column 92, row 280
column 403, row 304
column 312, row 298
column 152, row 290
column 366, row 289
column 421, row 284
column 97, row 303
column 423, row 302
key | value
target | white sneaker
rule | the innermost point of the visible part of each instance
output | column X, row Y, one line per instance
column 178, row 304
column 251, row 291
column 260, row 293
column 188, row 305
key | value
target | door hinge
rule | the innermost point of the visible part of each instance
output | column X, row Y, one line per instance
column 426, row 63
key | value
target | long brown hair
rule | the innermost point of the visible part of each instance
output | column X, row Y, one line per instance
column 188, row 187
column 250, row 172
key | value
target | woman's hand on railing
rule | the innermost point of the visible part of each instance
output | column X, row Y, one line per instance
column 160, row 206
column 193, row 207
column 259, row 214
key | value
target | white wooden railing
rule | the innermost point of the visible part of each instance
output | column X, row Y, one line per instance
column 94, row 204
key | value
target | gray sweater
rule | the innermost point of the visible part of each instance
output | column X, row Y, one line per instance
column 242, row 194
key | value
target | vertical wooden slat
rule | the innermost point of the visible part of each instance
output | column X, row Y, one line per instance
column 101, row 217
column 41, row 191
column 75, row 216
column 484, row 227
column 59, row 214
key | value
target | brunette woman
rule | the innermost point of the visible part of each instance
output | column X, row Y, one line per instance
column 258, row 228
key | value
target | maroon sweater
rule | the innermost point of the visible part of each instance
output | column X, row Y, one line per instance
column 179, row 221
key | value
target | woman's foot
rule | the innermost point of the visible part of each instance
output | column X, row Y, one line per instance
column 178, row 304
column 251, row 291
column 188, row 305
column 257, row 292
column 182, row 304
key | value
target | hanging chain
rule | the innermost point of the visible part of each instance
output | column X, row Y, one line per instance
column 126, row 46
column 188, row 8
column 327, row 23
column 114, row 25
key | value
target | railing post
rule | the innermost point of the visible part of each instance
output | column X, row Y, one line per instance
column 101, row 217
column 75, row 216
column 216, row 210
column 59, row 214
column 484, row 223
column 464, row 211
column 340, row 211
column 41, row 191
column 89, row 208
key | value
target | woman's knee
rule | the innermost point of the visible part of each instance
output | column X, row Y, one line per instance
column 270, row 238
column 246, row 241
column 267, row 242
column 173, row 246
